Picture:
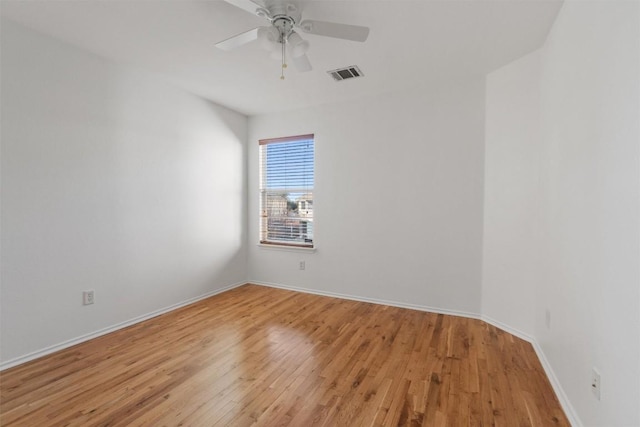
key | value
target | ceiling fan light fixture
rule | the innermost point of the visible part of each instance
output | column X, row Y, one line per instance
column 268, row 37
column 279, row 37
column 297, row 45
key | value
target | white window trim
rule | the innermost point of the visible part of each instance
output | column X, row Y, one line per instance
column 287, row 248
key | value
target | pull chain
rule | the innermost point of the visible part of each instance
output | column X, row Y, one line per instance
column 284, row 63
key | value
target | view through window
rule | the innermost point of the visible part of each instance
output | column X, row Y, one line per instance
column 286, row 190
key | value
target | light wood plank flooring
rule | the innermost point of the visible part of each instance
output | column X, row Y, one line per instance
column 270, row 357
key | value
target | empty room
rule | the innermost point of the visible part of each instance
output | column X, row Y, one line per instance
column 310, row 212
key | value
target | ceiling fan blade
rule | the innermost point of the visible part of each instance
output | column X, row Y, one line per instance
column 238, row 40
column 332, row 29
column 302, row 63
column 247, row 5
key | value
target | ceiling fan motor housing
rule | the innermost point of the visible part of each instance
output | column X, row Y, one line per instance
column 284, row 24
column 288, row 10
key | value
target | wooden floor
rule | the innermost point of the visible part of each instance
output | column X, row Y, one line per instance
column 264, row 356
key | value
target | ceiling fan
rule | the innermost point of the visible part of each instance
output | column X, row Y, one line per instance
column 280, row 37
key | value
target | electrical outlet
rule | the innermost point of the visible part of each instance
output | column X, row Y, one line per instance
column 595, row 383
column 88, row 297
column 547, row 318
column 302, row 265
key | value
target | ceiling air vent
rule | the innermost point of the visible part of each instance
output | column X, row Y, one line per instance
column 345, row 73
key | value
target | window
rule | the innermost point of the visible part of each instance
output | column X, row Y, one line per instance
column 286, row 191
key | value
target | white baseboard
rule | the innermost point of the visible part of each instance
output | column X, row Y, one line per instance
column 513, row 331
column 569, row 411
column 562, row 397
column 370, row 300
column 57, row 347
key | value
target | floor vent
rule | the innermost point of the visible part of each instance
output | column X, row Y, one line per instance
column 345, row 73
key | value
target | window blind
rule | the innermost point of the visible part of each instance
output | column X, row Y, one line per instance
column 286, row 190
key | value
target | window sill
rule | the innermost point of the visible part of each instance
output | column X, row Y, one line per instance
column 286, row 248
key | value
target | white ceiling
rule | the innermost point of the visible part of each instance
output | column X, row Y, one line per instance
column 410, row 42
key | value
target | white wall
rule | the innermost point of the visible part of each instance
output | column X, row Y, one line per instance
column 590, row 118
column 112, row 181
column 584, row 144
column 512, row 195
column 398, row 198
